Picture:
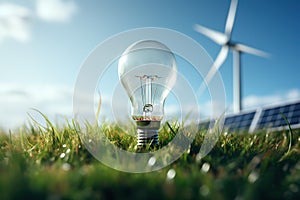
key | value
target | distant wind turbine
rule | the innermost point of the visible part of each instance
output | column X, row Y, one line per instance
column 224, row 39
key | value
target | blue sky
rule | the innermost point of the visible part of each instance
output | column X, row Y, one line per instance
column 43, row 44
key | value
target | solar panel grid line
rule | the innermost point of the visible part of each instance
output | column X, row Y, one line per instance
column 296, row 113
column 297, row 106
column 246, row 123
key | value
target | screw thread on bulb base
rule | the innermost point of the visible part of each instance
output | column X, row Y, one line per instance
column 146, row 136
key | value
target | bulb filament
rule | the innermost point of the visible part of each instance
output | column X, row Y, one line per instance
column 147, row 94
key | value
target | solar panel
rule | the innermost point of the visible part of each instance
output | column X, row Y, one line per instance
column 264, row 118
column 275, row 117
column 239, row 122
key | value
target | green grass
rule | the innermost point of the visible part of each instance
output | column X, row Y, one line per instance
column 50, row 162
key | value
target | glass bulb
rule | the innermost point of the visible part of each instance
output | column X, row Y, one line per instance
column 147, row 70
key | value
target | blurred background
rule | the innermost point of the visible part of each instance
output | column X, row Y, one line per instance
column 43, row 44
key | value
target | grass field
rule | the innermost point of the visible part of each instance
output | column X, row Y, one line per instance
column 50, row 162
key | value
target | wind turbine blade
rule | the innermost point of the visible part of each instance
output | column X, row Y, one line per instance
column 217, row 64
column 216, row 36
column 230, row 18
column 215, row 67
column 247, row 49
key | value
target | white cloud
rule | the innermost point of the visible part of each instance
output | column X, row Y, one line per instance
column 259, row 101
column 14, row 22
column 55, row 10
column 293, row 94
column 17, row 100
column 55, row 101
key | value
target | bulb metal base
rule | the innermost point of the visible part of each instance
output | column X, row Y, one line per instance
column 147, row 137
column 147, row 133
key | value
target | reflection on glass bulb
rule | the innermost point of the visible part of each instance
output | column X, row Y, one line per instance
column 147, row 70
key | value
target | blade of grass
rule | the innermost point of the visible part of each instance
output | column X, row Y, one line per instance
column 55, row 135
column 98, row 108
column 290, row 136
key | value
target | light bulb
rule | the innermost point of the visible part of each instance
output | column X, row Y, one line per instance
column 147, row 70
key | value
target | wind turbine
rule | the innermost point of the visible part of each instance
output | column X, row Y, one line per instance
column 224, row 39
